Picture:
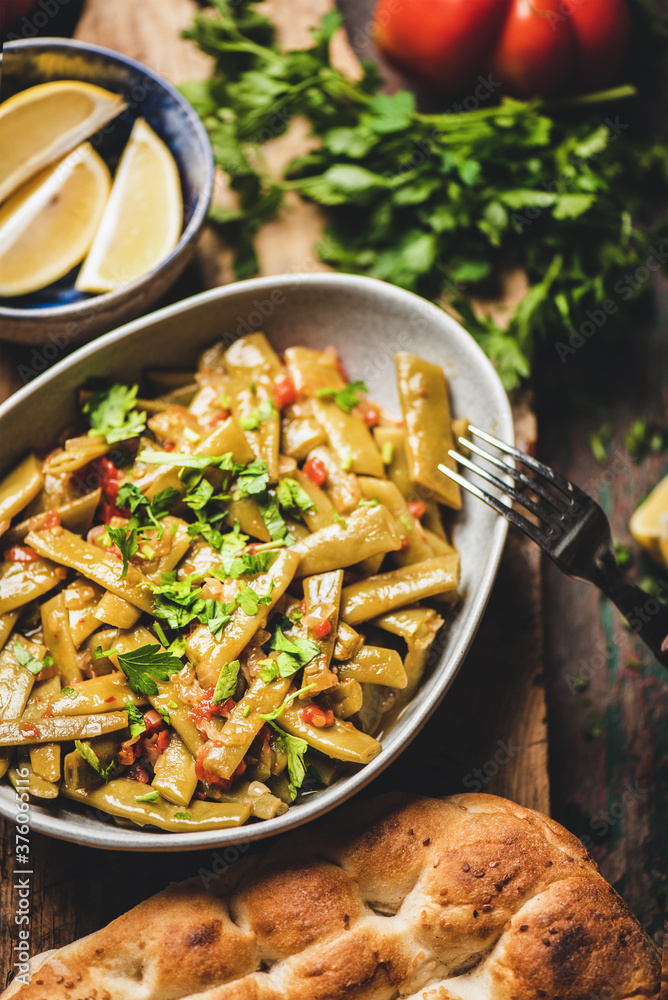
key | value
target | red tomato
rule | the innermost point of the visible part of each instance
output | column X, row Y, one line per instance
column 323, row 629
column 204, row 774
column 444, row 43
column 535, row 55
column 417, row 508
column 316, row 470
column 52, row 519
column 315, row 716
column 20, row 553
column 284, row 391
column 602, row 29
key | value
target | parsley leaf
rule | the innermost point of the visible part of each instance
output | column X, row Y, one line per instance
column 70, row 692
column 89, row 755
column 145, row 665
column 271, row 515
column 347, row 398
column 293, row 654
column 111, row 413
column 337, row 519
column 227, row 682
column 295, row 749
column 263, row 412
column 292, row 498
column 30, row 662
column 135, row 719
column 275, row 712
column 126, row 539
column 253, row 480
column 183, row 461
column 182, row 815
column 147, row 512
column 249, row 601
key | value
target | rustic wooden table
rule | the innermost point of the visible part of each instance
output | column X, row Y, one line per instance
column 608, row 755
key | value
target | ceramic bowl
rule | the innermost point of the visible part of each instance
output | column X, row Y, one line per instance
column 368, row 321
column 59, row 313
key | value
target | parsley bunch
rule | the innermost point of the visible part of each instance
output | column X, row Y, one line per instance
column 442, row 204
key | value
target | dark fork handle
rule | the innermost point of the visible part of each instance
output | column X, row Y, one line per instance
column 646, row 615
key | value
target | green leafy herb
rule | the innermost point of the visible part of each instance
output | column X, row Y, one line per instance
column 147, row 512
column 295, row 749
column 146, row 665
column 224, row 462
column 111, row 413
column 263, row 412
column 292, row 498
column 70, row 692
column 126, row 540
column 369, row 503
column 182, row 815
column 227, row 682
column 293, row 653
column 30, row 662
column 148, row 797
column 92, row 758
column 249, row 601
column 337, row 519
column 135, row 719
column 274, row 523
column 253, row 480
column 438, row 203
column 347, row 398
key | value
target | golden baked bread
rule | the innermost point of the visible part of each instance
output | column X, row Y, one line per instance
column 467, row 898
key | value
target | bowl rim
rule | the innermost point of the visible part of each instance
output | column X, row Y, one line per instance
column 111, row 837
column 73, row 311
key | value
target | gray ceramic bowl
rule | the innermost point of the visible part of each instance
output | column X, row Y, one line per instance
column 368, row 321
column 59, row 313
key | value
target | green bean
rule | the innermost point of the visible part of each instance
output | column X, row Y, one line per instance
column 15, row 732
column 77, row 515
column 419, row 627
column 208, row 654
column 345, row 699
column 341, row 487
column 387, row 591
column 21, row 583
column 251, row 522
column 119, row 798
column 322, row 597
column 30, row 782
column 107, row 693
column 423, row 394
column 252, row 357
column 350, row 438
column 20, row 487
column 113, row 610
column 439, row 546
column 263, row 805
column 312, row 370
column 45, row 761
column 89, row 560
column 340, row 740
column 58, row 638
column 7, row 623
column 322, row 515
column 414, row 546
column 78, row 773
column 175, row 776
column 392, row 443
column 299, row 435
column 243, row 725
column 77, row 452
column 348, row 642
column 375, row 665
column 369, row 531
column 16, row 681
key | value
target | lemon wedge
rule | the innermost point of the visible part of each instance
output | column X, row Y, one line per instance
column 41, row 124
column 649, row 523
column 143, row 218
column 47, row 226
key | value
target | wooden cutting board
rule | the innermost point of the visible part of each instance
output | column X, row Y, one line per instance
column 499, row 699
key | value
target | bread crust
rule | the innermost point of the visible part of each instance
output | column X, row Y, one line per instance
column 468, row 898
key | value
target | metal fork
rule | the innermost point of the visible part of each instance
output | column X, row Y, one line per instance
column 573, row 530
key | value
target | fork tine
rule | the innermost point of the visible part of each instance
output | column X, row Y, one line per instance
column 559, row 481
column 534, row 485
column 498, row 505
column 517, row 495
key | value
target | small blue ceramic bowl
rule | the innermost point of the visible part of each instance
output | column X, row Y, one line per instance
column 59, row 313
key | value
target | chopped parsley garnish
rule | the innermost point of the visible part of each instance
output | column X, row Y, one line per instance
column 147, row 512
column 369, row 503
column 295, row 748
column 224, row 462
column 182, row 815
column 253, row 480
column 263, row 412
column 337, row 519
column 249, row 600
column 144, row 666
column 112, row 414
column 293, row 654
column 227, row 682
column 30, row 662
column 135, row 719
column 292, row 498
column 347, row 398
column 126, row 540
column 70, row 692
column 271, row 515
column 148, row 797
column 92, row 758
